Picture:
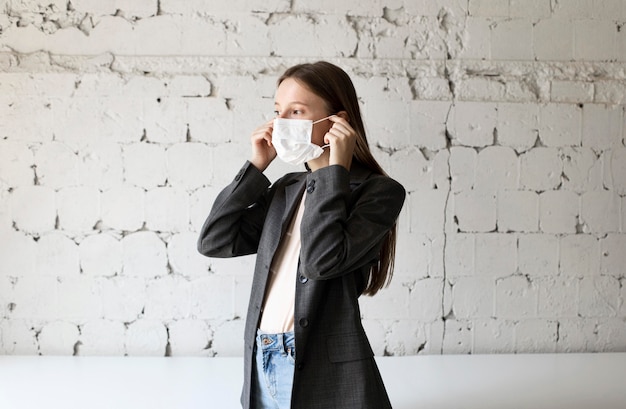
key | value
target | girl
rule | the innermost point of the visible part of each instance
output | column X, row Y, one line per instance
column 323, row 237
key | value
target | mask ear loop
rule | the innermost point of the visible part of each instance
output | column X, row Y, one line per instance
column 320, row 120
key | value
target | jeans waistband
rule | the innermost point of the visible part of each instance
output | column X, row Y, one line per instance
column 277, row 342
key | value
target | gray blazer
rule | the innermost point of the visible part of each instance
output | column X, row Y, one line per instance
column 346, row 216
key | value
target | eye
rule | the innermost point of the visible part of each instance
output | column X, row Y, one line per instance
column 276, row 113
column 296, row 112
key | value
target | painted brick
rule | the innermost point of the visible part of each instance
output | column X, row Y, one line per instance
column 518, row 211
column 123, row 208
column 99, row 164
column 480, row 89
column 459, row 335
column 143, row 255
column 517, row 125
column 396, row 299
column 426, row 298
column 427, row 123
column 200, row 7
column 496, row 169
column 58, row 338
column 582, row 169
column 145, row 165
column 327, row 36
column 100, row 255
column 56, row 255
column 123, row 298
column 613, row 261
column 56, row 165
column 602, row 126
column 212, row 297
column 497, row 8
column 18, row 338
column 553, row 39
column 167, row 209
column 427, row 209
column 460, row 255
column 473, row 297
column 540, row 169
column 473, row 123
column 558, row 211
column 512, row 39
column 214, row 128
column 537, row 254
column 184, row 257
column 475, row 211
column 516, row 297
column 166, row 120
column 78, row 208
column 388, row 121
column 559, row 125
column 200, row 203
column 32, row 208
column 79, row 298
column 571, row 91
column 495, row 254
column 146, row 337
column 557, row 295
column 478, row 45
column 462, row 168
column 534, row 9
column 501, row 334
column 189, row 165
column 228, row 338
column 409, row 338
column 13, row 245
column 13, row 110
column 416, row 267
column 594, row 40
column 610, row 92
column 189, row 337
column 579, row 255
column 599, row 297
column 600, row 211
column 533, row 335
column 35, row 298
column 99, row 336
column 574, row 8
column 168, row 298
column 16, row 162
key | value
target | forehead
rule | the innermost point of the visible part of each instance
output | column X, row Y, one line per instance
column 291, row 91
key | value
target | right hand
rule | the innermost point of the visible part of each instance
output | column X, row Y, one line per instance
column 263, row 152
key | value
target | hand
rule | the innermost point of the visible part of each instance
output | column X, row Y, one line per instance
column 263, row 152
column 342, row 138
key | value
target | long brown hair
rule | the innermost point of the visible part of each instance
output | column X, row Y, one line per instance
column 335, row 87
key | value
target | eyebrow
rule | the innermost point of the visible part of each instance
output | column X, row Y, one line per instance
column 293, row 103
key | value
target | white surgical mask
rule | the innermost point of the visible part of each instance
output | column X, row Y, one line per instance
column 292, row 140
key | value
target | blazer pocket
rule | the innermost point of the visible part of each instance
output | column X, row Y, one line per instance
column 348, row 347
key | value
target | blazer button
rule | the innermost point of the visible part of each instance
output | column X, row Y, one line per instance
column 300, row 366
column 303, row 279
column 303, row 322
column 311, row 186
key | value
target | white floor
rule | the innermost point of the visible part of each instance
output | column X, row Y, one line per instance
column 543, row 381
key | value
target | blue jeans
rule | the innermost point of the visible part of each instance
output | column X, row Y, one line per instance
column 272, row 372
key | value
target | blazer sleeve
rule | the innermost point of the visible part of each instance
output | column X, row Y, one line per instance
column 342, row 229
column 234, row 225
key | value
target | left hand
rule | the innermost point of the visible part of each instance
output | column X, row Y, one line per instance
column 342, row 138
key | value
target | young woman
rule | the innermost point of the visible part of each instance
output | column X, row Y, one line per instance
column 323, row 237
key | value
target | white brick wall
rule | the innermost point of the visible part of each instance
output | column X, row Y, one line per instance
column 121, row 121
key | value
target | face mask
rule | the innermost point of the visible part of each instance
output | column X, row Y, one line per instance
column 292, row 140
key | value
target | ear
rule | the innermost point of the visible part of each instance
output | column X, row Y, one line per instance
column 344, row 115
